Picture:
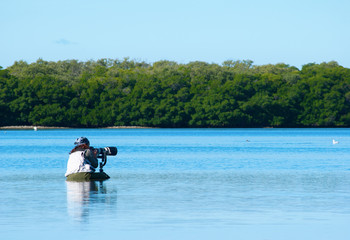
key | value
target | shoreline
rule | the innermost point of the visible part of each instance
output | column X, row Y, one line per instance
column 48, row 128
column 35, row 128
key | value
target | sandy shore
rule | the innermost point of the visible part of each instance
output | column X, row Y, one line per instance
column 31, row 127
column 44, row 127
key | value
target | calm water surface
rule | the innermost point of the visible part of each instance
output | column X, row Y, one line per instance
column 179, row 184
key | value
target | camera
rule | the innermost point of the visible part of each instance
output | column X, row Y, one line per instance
column 103, row 153
column 107, row 151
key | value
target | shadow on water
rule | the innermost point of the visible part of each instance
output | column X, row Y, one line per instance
column 87, row 199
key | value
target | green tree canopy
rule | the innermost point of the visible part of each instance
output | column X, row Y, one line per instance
column 113, row 92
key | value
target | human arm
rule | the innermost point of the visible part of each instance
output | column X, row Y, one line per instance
column 90, row 155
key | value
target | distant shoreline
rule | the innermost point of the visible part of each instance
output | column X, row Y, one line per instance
column 47, row 128
column 135, row 127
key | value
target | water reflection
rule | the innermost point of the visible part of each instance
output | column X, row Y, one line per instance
column 86, row 198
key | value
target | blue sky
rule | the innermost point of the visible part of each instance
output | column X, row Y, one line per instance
column 295, row 32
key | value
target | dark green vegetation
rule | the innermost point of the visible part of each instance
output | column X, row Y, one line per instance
column 167, row 94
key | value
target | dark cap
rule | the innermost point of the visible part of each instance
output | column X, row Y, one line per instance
column 81, row 140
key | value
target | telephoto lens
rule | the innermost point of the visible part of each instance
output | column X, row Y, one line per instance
column 112, row 151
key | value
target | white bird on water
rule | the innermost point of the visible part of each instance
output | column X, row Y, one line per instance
column 335, row 142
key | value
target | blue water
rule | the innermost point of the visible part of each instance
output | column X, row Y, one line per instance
column 179, row 184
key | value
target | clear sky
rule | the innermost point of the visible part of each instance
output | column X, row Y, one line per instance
column 295, row 32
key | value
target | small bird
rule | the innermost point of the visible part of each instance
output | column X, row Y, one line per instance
column 335, row 142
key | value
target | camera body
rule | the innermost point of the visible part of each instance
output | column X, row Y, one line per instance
column 103, row 153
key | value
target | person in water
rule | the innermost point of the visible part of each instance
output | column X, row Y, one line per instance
column 82, row 161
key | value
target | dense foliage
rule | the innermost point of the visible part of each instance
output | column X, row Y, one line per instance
column 167, row 94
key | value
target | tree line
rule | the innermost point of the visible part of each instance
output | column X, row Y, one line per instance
column 126, row 92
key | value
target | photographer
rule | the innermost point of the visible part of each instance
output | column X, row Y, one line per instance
column 82, row 161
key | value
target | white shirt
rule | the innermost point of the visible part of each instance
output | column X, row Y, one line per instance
column 78, row 163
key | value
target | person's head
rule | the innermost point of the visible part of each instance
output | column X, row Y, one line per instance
column 81, row 141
